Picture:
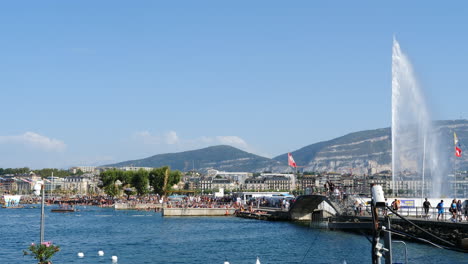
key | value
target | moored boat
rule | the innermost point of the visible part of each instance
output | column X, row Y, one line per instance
column 64, row 209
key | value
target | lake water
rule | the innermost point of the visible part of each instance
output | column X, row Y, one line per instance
column 147, row 237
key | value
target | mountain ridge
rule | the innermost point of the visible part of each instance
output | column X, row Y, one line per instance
column 356, row 152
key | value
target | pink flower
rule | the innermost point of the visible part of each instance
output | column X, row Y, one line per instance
column 32, row 244
column 47, row 244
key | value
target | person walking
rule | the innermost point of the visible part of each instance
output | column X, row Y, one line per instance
column 426, row 206
column 465, row 209
column 453, row 210
column 459, row 210
column 440, row 210
column 396, row 205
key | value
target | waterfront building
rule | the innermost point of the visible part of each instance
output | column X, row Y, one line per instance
column 76, row 184
column 205, row 183
column 277, row 180
column 278, row 183
column 411, row 188
column 308, row 181
column 383, row 181
column 54, row 184
column 222, row 183
column 8, row 185
column 459, row 184
column 191, row 183
column 255, row 183
column 238, row 177
column 84, row 169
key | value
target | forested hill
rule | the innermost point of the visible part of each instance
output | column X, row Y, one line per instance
column 223, row 158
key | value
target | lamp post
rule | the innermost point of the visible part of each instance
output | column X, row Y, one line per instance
column 38, row 187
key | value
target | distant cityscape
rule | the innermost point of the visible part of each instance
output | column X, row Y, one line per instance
column 85, row 180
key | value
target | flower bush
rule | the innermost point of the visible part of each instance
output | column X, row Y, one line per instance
column 42, row 252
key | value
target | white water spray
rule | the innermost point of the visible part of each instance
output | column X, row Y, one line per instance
column 412, row 128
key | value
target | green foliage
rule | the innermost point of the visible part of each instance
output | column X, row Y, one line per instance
column 156, row 179
column 108, row 179
column 204, row 158
column 140, row 181
column 14, row 170
column 42, row 172
column 42, row 252
column 174, row 177
column 48, row 172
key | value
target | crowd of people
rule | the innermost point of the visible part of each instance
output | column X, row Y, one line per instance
column 457, row 210
column 200, row 202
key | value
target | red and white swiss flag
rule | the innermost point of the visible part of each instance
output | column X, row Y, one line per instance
column 458, row 151
column 291, row 161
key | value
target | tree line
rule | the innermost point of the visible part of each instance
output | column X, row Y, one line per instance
column 141, row 182
column 46, row 172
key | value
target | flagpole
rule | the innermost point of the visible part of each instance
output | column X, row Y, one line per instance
column 455, row 175
column 457, row 155
column 295, row 178
column 423, row 168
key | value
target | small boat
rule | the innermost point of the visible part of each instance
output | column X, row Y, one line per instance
column 13, row 207
column 64, row 209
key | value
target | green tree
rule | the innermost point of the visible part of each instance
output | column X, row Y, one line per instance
column 156, row 179
column 140, row 181
column 108, row 179
column 174, row 177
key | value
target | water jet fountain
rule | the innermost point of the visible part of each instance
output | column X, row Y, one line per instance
column 416, row 151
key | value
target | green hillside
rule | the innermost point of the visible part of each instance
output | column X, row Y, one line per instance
column 224, row 158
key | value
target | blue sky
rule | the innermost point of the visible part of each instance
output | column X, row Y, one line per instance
column 93, row 82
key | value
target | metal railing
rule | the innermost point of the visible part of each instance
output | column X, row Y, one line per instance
column 415, row 212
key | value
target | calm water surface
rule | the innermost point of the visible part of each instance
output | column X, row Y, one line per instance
column 147, row 237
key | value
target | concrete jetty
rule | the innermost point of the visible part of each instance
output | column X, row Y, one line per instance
column 198, row 211
column 136, row 206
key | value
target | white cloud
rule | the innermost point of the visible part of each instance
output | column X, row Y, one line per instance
column 170, row 141
column 171, row 138
column 233, row 141
column 147, row 138
column 35, row 140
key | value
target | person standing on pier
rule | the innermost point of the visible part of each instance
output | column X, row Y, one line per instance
column 459, row 211
column 465, row 209
column 440, row 208
column 453, row 210
column 426, row 206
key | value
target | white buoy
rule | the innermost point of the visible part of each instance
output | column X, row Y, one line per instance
column 258, row 261
column 226, row 262
column 80, row 254
column 100, row 253
column 114, row 259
